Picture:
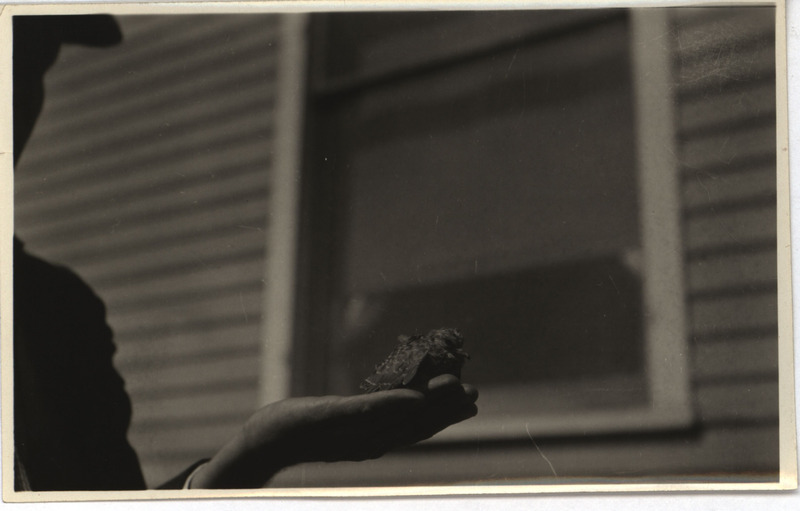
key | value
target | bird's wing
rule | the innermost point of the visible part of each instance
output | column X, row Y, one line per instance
column 398, row 369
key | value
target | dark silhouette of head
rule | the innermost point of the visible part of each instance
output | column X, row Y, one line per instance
column 37, row 41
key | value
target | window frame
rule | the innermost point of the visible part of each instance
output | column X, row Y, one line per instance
column 293, row 361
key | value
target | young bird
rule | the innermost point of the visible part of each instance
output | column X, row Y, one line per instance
column 417, row 359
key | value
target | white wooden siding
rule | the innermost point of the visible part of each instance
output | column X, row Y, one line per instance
column 149, row 174
column 724, row 63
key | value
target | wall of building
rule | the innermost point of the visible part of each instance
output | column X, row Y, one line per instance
column 149, row 174
column 723, row 84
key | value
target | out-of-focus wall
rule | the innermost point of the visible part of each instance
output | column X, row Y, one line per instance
column 723, row 68
column 149, row 174
column 725, row 88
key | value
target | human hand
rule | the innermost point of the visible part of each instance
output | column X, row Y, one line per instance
column 366, row 426
column 334, row 428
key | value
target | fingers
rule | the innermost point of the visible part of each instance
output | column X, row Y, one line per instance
column 333, row 428
column 445, row 401
column 448, row 402
column 443, row 384
column 471, row 392
column 447, row 387
column 375, row 411
column 437, row 421
column 391, row 402
column 444, row 396
column 447, row 414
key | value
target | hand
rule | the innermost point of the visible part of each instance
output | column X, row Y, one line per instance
column 334, row 428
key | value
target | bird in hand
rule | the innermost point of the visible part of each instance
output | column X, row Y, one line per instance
column 417, row 359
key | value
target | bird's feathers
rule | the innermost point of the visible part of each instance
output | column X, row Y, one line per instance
column 397, row 370
column 418, row 358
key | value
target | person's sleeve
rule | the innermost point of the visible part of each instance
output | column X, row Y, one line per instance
column 184, row 479
column 71, row 409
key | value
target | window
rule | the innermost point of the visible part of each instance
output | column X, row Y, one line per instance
column 501, row 173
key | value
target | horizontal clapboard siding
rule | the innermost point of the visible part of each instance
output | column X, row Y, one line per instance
column 725, row 228
column 712, row 274
column 149, row 174
column 736, row 401
column 719, row 151
column 744, row 454
column 709, row 192
column 747, row 358
column 715, row 315
column 725, row 68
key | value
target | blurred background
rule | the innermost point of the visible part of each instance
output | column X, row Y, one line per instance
column 265, row 202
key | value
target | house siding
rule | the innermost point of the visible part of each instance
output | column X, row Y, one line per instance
column 149, row 174
column 724, row 91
